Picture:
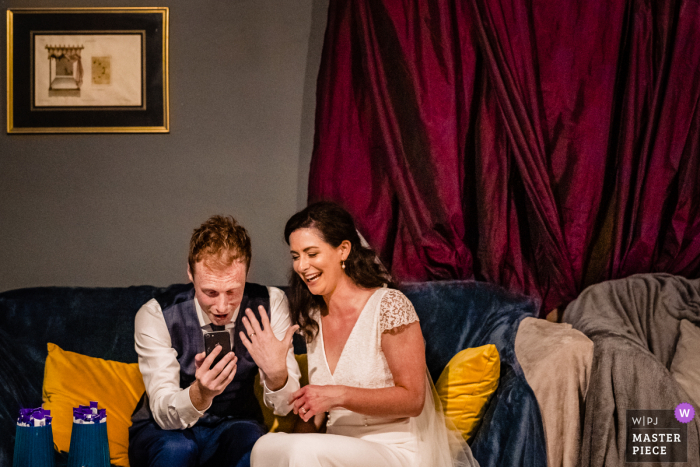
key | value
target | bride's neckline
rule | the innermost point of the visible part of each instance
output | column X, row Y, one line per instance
column 352, row 331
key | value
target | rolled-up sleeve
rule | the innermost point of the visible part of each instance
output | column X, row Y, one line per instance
column 171, row 406
column 280, row 321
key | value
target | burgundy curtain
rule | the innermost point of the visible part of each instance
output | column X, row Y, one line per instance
column 540, row 145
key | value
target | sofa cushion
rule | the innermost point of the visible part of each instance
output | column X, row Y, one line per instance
column 466, row 384
column 72, row 379
column 98, row 322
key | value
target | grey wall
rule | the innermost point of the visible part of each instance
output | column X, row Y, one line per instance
column 118, row 210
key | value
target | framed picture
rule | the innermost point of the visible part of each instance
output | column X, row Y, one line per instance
column 87, row 70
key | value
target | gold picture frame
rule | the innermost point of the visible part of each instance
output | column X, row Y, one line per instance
column 88, row 70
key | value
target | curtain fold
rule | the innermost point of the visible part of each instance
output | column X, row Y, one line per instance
column 539, row 145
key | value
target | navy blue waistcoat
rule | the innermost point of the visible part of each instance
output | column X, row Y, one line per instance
column 238, row 399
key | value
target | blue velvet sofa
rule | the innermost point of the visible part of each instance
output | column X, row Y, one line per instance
column 99, row 322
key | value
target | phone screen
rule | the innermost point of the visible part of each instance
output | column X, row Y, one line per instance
column 212, row 339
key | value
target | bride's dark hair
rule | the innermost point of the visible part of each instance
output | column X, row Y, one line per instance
column 334, row 225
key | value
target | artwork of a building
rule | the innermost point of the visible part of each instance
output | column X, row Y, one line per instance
column 66, row 68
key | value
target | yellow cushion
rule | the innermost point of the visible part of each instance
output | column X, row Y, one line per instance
column 275, row 423
column 72, row 379
column 466, row 384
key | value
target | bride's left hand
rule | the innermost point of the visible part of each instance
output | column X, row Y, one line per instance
column 268, row 352
column 311, row 400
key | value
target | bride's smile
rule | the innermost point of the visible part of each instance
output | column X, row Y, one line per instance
column 317, row 263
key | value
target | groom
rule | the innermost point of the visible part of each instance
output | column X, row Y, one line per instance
column 194, row 412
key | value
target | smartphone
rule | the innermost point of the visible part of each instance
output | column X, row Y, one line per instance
column 212, row 339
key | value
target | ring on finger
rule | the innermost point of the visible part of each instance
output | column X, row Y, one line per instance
column 303, row 411
column 251, row 334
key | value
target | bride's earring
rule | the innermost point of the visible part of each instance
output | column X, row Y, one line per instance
column 342, row 264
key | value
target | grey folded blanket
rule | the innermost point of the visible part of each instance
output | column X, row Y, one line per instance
column 557, row 360
column 634, row 325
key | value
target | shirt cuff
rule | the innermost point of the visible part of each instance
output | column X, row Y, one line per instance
column 278, row 400
column 188, row 413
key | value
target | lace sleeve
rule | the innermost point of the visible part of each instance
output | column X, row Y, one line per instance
column 395, row 310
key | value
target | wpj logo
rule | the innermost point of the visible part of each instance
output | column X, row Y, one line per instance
column 656, row 436
column 685, row 412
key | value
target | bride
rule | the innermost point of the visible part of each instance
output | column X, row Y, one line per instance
column 369, row 388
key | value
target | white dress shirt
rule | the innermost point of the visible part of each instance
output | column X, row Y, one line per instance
column 171, row 406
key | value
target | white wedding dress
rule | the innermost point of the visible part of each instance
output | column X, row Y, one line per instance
column 353, row 439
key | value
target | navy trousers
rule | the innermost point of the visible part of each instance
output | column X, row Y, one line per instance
column 225, row 444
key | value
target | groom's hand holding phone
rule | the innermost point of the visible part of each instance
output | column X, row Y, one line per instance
column 216, row 368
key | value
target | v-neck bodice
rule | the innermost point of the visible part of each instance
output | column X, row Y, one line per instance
column 368, row 304
column 361, row 363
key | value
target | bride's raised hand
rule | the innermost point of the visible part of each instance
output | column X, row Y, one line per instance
column 269, row 353
column 311, row 400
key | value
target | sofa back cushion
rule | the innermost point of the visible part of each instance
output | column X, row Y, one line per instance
column 98, row 322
